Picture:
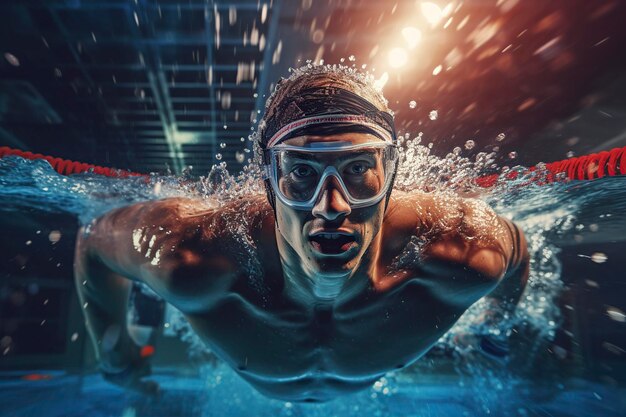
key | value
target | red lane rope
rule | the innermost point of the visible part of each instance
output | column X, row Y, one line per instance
column 67, row 167
column 587, row 167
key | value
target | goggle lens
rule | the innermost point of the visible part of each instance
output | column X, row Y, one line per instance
column 364, row 172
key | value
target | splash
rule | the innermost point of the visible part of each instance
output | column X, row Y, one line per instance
column 543, row 212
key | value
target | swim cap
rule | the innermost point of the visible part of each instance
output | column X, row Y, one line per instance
column 324, row 100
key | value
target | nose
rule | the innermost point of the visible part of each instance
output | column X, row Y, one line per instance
column 331, row 204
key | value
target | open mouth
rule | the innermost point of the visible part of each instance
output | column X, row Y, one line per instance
column 332, row 243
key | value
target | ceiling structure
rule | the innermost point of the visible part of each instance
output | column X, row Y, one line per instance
column 165, row 85
column 142, row 85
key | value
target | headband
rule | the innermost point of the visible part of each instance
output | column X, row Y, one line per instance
column 327, row 105
column 356, row 119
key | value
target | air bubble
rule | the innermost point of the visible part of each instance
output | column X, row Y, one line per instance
column 412, row 104
column 433, row 115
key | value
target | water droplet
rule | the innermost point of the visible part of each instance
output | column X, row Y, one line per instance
column 12, row 59
column 412, row 104
column 54, row 236
column 222, row 145
column 351, row 58
column 433, row 115
column 470, row 144
column 570, row 154
column 616, row 314
column 500, row 137
column 512, row 155
column 74, row 337
column 240, row 156
column 29, row 242
column 218, row 156
column 599, row 257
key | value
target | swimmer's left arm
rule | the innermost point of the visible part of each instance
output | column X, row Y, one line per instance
column 510, row 288
column 468, row 250
column 491, row 249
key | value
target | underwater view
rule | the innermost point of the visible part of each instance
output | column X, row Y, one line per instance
column 333, row 208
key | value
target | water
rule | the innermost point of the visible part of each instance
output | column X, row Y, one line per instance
column 551, row 215
column 222, row 393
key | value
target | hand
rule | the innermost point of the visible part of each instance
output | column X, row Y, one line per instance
column 132, row 376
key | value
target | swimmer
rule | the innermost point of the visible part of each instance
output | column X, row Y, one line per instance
column 323, row 285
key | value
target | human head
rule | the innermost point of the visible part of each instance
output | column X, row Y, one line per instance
column 323, row 93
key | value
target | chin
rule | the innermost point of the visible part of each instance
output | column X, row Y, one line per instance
column 333, row 266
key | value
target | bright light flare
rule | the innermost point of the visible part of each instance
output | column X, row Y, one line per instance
column 397, row 57
column 412, row 36
column 431, row 12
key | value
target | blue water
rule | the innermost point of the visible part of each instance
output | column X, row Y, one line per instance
column 220, row 392
column 552, row 216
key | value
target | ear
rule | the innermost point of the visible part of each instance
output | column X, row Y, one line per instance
column 271, row 198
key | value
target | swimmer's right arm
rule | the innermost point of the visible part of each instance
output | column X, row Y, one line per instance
column 181, row 249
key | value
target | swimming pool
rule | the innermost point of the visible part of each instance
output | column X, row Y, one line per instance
column 175, row 86
column 219, row 392
column 574, row 231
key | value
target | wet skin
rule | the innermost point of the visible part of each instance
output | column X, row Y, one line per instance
column 296, row 323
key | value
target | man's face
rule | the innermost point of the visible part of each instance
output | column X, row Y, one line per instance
column 330, row 239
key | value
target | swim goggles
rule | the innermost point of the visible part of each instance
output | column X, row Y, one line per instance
column 362, row 172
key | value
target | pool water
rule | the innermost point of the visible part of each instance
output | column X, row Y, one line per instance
column 220, row 392
column 552, row 216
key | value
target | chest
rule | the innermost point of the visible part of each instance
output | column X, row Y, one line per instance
column 370, row 335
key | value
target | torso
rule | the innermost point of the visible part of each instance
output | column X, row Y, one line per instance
column 302, row 352
column 298, row 353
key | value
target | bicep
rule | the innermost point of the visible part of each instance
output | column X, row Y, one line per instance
column 467, row 233
column 467, row 250
column 171, row 245
column 130, row 241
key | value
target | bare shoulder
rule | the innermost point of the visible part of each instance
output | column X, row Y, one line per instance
column 188, row 250
column 457, row 232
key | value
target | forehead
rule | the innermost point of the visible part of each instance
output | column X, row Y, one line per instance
column 354, row 138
